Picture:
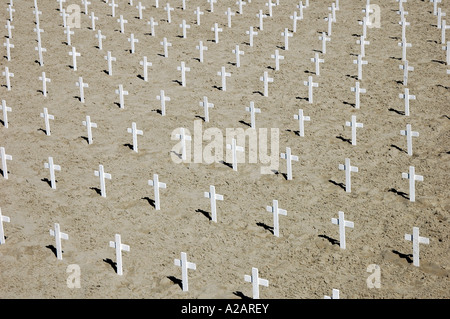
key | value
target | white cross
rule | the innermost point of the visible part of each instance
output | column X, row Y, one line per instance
column 183, row 137
column 161, row 97
column 261, row 17
column 198, row 12
column 133, row 130
column 99, row 36
column 117, row 244
column 183, row 4
column 93, row 18
column 276, row 212
column 184, row 26
column 113, row 8
column 354, row 125
column 110, row 59
column 10, row 9
column 333, row 11
column 201, row 48
column 238, row 54
column 342, row 224
column 435, row 3
column 234, row 148
column 5, row 109
column 407, row 97
column 40, row 49
column 81, row 85
column 266, row 79
column 89, row 125
column 156, row 3
column 416, row 239
column 357, row 91
column 152, row 24
column 216, row 30
column 122, row 22
column 252, row 111
column 359, row 61
column 102, row 175
column 256, row 282
column 348, row 170
column 166, row 44
column 52, row 167
column 404, row 23
column 364, row 24
column 241, row 3
column 211, row 2
column 289, row 158
column 8, row 75
column 145, row 64
column 121, row 93
column 286, row 36
column 324, row 40
column 251, row 33
column 168, row 9
column 47, row 117
column 5, row 219
column 270, row 5
column 301, row 120
column 74, row 55
column 335, row 295
column 185, row 265
column 409, row 135
column 64, row 15
column 8, row 46
column 295, row 18
column 404, row 45
column 157, row 185
column 86, row 3
column 310, row 85
column 440, row 14
column 132, row 40
column 405, row 69
column 362, row 43
column 330, row 23
column 300, row 8
column 4, row 157
column 183, row 70
column 444, row 27
column 224, row 75
column 140, row 7
column 69, row 33
column 317, row 62
column 412, row 186
column 58, row 236
column 446, row 48
column 61, row 4
column 229, row 14
column 213, row 196
column 367, row 11
column 9, row 27
column 206, row 105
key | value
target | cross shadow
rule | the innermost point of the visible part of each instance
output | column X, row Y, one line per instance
column 353, row 54
column 351, row 76
column 70, row 66
column 246, row 43
column 442, row 86
column 97, row 47
column 117, row 104
column 437, row 61
column 105, row 71
column 405, row 256
column 217, row 87
column 266, row 227
column 340, row 137
column 400, row 149
column 241, row 295
column 97, row 190
column 402, row 194
column 85, row 138
column 396, row 111
column 341, row 185
column 1, row 172
column 65, row 43
column 281, row 47
column 211, row 40
column 356, row 35
column 197, row 59
column 271, row 67
column 204, row 212
column 394, row 38
column 399, row 82
column 179, row 36
column 48, row 181
column 140, row 77
column 53, row 249
column 177, row 81
column 77, row 97
column 226, row 164
column 348, row 103
column 128, row 145
column 40, row 91
column 258, row 92
column 394, row 58
column 160, row 54
column 331, row 240
column 157, row 111
column 245, row 123
column 201, row 117
column 177, row 154
column 41, row 129
column 232, row 63
column 294, row 131
column 2, row 122
column 302, row 98
column 150, row 201
column 432, row 41
column 310, row 72
column 176, row 281
column 318, row 51
column 112, row 263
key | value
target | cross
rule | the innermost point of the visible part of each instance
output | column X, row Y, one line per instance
column 4, row 157
column 117, row 244
column 183, row 5
column 69, row 33
column 234, row 148
column 61, row 4
column 295, row 18
column 301, row 121
column 224, row 75
column 113, row 8
column 364, row 24
column 446, row 48
column 102, row 175
column 289, row 158
column 324, row 40
column 133, row 130
column 407, row 97
column 335, row 295
column 52, row 167
column 47, row 117
column 168, row 9
column 110, row 59
column 367, row 11
column 198, row 12
column 229, row 15
column 270, row 5
column 241, row 3
column 252, row 111
column 213, row 196
column 184, row 26
column 404, row 45
column 58, row 236
column 145, row 64
column 8, row 46
column 5, row 109
column 40, row 49
column 416, row 239
column 286, row 36
column 157, row 4
column 317, row 61
column 122, row 22
column 81, row 85
column 166, row 44
column 121, row 93
column 251, row 33
column 93, row 18
column 412, row 178
column 44, row 80
column 404, row 23
column 206, row 105
column 357, row 91
column 444, row 27
column 405, row 69
column 132, row 40
column 276, row 212
column 300, row 8
column 330, row 23
column 409, row 135
column 8, row 75
column 238, row 54
column 362, row 42
column 37, row 13
column 161, row 97
column 201, row 48
column 333, row 11
column 74, row 55
column 216, row 30
column 359, row 61
column 435, row 3
column 152, row 24
column 99, row 36
column 256, row 282
column 310, row 85
column 64, row 16
column 89, row 125
column 185, row 265
column 183, row 70
column 265, row 78
column 211, row 2
column 354, row 125
column 5, row 219
column 9, row 27
column 261, row 17
column 183, row 137
column 157, row 185
column 342, row 224
column 140, row 7
column 86, row 3
column 10, row 9
column 348, row 170
column 440, row 14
